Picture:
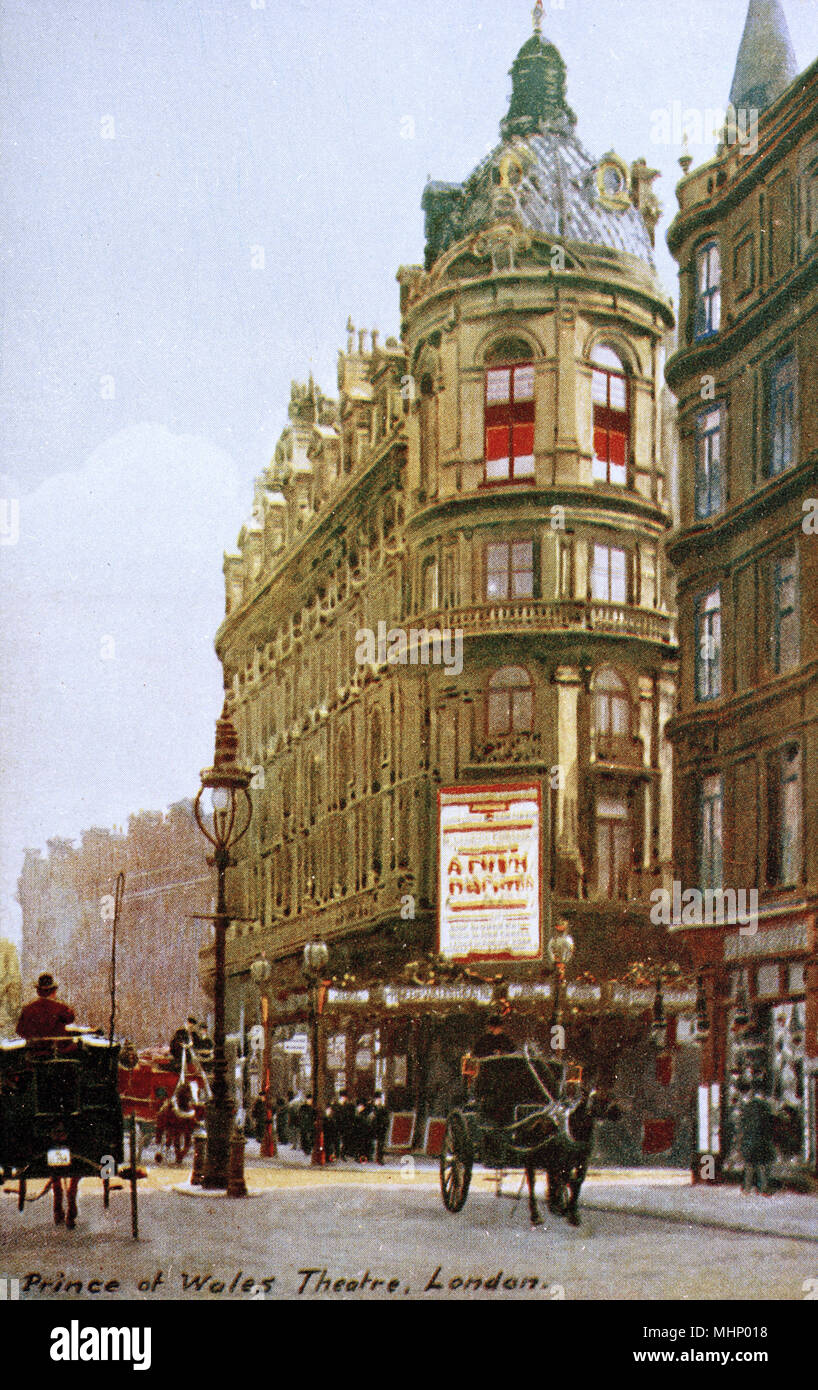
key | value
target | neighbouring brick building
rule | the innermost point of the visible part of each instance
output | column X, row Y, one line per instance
column 501, row 473
column 746, row 559
column 66, row 897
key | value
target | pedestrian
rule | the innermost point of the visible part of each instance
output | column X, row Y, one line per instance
column 306, row 1125
column 282, row 1132
column 330, row 1134
column 756, row 1124
column 346, row 1126
column 364, row 1136
column 296, row 1100
column 380, row 1115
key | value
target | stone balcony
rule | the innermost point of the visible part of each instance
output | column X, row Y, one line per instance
column 546, row 615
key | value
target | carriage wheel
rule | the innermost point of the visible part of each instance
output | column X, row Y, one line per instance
column 456, row 1159
column 134, row 1210
column 21, row 1194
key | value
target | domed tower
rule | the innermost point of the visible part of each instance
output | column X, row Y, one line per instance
column 539, row 497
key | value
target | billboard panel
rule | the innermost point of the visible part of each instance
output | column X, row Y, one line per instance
column 489, row 872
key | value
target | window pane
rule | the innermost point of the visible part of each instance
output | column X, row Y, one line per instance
column 600, row 581
column 606, row 357
column 603, row 859
column 497, row 386
column 522, row 555
column 497, row 470
column 599, row 387
column 619, row 393
column 618, row 576
column 603, row 714
column 619, row 716
column 524, row 467
column 618, row 474
column 497, row 557
column 611, row 808
column 510, row 676
column 499, row 712
column 599, row 468
column 524, row 383
column 522, row 711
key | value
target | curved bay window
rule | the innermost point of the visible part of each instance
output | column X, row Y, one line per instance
column 612, row 427
column 612, row 716
column 510, row 702
column 509, row 423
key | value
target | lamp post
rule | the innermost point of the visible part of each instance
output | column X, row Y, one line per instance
column 658, row 1027
column 260, row 972
column 560, row 953
column 232, row 810
column 314, row 966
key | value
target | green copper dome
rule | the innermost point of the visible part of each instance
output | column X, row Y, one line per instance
column 538, row 90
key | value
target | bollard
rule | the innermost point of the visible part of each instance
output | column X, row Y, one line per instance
column 236, row 1186
column 199, row 1146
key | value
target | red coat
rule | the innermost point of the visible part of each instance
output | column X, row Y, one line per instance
column 44, row 1017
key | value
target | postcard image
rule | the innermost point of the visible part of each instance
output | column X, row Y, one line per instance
column 409, row 551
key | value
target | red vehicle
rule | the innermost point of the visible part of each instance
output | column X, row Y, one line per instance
column 167, row 1101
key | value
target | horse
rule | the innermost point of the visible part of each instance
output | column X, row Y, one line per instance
column 69, row 1216
column 176, row 1122
column 557, row 1142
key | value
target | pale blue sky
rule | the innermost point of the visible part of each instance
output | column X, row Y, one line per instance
column 147, row 363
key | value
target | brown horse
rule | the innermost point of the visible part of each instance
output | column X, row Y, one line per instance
column 69, row 1216
column 176, row 1122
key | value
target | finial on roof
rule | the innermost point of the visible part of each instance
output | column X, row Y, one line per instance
column 536, row 15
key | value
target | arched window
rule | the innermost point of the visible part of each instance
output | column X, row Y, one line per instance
column 707, row 316
column 609, row 393
column 510, row 707
column 612, row 714
column 509, row 413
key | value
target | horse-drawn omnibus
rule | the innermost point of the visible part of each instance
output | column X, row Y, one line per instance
column 61, row 1118
column 522, row 1112
column 166, row 1099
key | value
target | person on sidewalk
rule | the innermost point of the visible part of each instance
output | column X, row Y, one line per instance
column 380, row 1112
column 756, row 1124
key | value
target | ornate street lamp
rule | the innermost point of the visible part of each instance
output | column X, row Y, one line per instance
column 232, row 810
column 560, row 953
column 314, row 966
column 260, row 972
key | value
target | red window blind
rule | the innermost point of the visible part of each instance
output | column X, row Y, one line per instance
column 611, row 425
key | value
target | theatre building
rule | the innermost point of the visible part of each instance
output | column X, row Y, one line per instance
column 746, row 559
column 449, row 646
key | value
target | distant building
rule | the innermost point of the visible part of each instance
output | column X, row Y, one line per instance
column 10, row 988
column 746, row 558
column 66, row 899
column 500, row 481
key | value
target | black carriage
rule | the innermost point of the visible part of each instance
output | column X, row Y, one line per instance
column 508, row 1095
column 61, row 1115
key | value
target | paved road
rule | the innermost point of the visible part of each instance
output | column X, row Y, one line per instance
column 396, row 1232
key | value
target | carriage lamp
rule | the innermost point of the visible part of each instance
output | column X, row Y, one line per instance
column 316, row 956
column 260, row 973
column 231, row 810
column 561, row 949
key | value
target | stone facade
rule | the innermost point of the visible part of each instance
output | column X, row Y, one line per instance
column 746, row 558
column 66, row 899
column 500, row 476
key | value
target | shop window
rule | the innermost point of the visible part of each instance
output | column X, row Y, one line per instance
column 510, row 570
column 609, row 574
column 612, row 715
column 785, row 635
column 710, row 844
column 609, row 393
column 614, row 840
column 510, row 708
column 784, row 815
column 782, row 407
column 768, row 981
column 708, row 292
column 796, row 978
column 509, row 423
column 708, row 645
column 709, row 487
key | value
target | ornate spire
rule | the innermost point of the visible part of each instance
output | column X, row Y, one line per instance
column 766, row 63
column 536, row 15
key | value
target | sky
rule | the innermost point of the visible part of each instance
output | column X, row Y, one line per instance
column 197, row 195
